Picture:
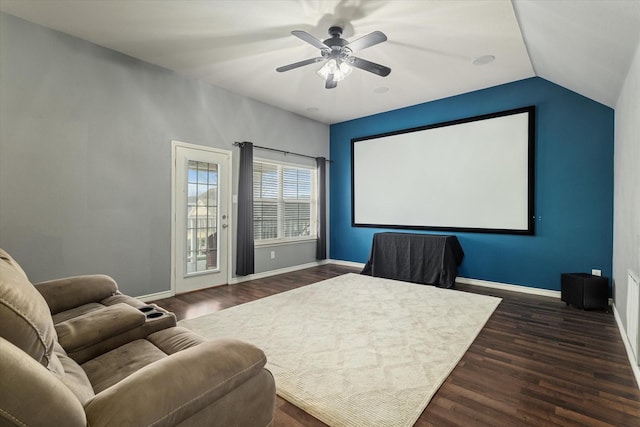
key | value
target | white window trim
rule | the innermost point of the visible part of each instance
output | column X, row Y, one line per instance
column 314, row 208
column 280, row 242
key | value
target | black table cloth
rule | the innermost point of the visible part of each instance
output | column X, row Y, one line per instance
column 418, row 258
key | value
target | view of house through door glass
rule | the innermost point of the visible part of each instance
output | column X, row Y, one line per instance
column 202, row 217
column 202, row 180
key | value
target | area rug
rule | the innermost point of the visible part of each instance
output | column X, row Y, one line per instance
column 357, row 350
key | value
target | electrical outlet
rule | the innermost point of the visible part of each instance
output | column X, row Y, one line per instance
column 595, row 272
column 273, row 254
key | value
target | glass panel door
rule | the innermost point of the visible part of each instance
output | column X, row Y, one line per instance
column 201, row 188
column 202, row 217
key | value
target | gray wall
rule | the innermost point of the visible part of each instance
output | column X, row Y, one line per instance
column 626, row 210
column 85, row 137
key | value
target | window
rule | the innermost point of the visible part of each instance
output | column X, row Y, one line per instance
column 202, row 216
column 284, row 202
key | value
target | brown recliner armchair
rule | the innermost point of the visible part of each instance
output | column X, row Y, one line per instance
column 168, row 377
column 91, row 316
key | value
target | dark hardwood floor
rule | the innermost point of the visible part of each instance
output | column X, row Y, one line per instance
column 537, row 362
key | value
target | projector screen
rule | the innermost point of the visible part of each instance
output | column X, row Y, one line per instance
column 474, row 174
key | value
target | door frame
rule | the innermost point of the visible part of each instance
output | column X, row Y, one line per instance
column 226, row 177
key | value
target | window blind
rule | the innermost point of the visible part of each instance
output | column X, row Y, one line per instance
column 283, row 201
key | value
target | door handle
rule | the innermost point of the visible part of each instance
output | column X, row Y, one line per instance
column 224, row 225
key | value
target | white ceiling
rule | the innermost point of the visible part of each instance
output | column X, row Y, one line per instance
column 584, row 45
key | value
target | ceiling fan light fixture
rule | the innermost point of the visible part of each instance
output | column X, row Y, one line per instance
column 339, row 71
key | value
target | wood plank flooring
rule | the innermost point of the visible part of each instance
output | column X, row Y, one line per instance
column 537, row 362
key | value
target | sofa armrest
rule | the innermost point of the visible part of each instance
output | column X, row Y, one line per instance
column 71, row 292
column 31, row 395
column 97, row 326
column 171, row 390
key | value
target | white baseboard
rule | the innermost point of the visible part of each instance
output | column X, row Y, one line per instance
column 477, row 282
column 347, row 263
column 627, row 346
column 240, row 279
column 156, row 296
column 509, row 287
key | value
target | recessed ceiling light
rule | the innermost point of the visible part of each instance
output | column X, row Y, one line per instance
column 381, row 89
column 483, row 60
column 313, row 109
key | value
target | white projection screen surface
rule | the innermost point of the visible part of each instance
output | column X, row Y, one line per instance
column 474, row 174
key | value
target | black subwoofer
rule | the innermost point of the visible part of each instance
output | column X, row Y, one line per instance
column 584, row 290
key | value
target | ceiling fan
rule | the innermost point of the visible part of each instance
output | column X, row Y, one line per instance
column 336, row 52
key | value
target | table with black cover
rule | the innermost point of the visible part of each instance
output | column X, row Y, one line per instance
column 418, row 258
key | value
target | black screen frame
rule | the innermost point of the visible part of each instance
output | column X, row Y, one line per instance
column 530, row 230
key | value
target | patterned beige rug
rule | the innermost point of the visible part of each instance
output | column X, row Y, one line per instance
column 357, row 350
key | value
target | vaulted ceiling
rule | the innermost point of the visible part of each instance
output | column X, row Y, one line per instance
column 584, row 45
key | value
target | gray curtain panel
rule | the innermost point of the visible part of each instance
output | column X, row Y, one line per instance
column 245, row 250
column 321, row 242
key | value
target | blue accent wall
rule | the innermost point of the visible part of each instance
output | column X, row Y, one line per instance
column 573, row 188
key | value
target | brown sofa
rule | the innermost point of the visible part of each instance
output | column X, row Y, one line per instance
column 125, row 368
column 77, row 304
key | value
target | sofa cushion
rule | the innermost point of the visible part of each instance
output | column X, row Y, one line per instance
column 73, row 376
column 75, row 312
column 33, row 396
column 71, row 292
column 93, row 306
column 176, row 388
column 112, row 367
column 175, row 339
column 97, row 326
column 5, row 255
column 121, row 298
column 25, row 320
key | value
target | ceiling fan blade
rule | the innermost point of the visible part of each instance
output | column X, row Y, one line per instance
column 367, row 41
column 369, row 66
column 304, row 36
column 330, row 83
column 299, row 64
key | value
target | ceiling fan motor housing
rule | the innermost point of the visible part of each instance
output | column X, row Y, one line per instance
column 335, row 40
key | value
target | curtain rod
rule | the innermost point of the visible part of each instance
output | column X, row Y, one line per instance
column 239, row 144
